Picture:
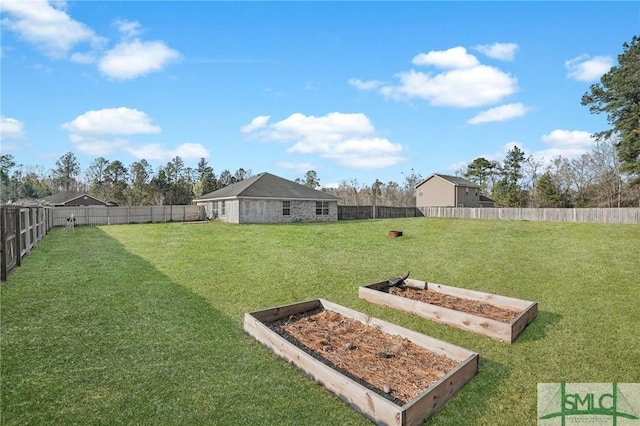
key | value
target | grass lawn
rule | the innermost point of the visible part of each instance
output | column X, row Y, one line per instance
column 142, row 324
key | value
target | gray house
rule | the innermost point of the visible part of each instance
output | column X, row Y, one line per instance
column 449, row 191
column 266, row 198
column 72, row 199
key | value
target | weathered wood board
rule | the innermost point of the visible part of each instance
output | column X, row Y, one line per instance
column 380, row 410
column 505, row 332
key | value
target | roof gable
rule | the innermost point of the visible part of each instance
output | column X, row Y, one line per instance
column 266, row 185
column 455, row 180
column 64, row 197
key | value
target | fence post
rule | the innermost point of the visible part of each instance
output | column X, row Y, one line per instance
column 3, row 242
column 18, row 237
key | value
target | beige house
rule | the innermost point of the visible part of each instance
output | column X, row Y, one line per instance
column 266, row 198
column 449, row 191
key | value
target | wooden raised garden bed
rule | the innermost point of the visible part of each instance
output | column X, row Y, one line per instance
column 392, row 375
column 499, row 317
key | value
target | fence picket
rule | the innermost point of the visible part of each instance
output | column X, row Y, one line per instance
column 22, row 227
column 629, row 215
column 20, row 230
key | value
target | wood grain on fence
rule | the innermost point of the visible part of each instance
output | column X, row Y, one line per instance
column 375, row 212
column 20, row 230
column 99, row 215
column 588, row 215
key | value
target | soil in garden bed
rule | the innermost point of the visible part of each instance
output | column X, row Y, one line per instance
column 392, row 366
column 485, row 310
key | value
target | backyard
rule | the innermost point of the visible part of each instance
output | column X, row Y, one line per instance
column 142, row 324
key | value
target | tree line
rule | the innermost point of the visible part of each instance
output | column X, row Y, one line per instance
column 595, row 179
column 174, row 183
column 113, row 182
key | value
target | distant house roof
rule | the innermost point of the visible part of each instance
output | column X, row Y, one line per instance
column 452, row 179
column 266, row 185
column 64, row 198
column 485, row 199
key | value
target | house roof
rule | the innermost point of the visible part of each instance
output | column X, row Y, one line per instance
column 455, row 180
column 266, row 185
column 64, row 197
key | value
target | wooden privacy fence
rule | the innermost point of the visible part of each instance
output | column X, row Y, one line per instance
column 20, row 229
column 591, row 215
column 375, row 212
column 99, row 215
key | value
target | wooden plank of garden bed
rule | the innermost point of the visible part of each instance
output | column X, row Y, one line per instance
column 506, row 332
column 478, row 296
column 377, row 408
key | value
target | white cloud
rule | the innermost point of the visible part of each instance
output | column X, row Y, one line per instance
column 333, row 126
column 585, row 68
column 463, row 88
column 567, row 143
column 297, row 167
column 365, row 85
column 129, row 29
column 186, row 151
column 501, row 113
column 97, row 146
column 101, row 132
column 464, row 83
column 10, row 128
column 359, row 153
column 132, row 59
column 48, row 28
column 53, row 31
column 502, row 51
column 83, row 58
column 111, row 121
column 257, row 123
column 501, row 155
column 498, row 156
column 561, row 137
column 454, row 58
column 347, row 139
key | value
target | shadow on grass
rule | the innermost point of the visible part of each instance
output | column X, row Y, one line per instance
column 538, row 328
column 471, row 403
column 114, row 339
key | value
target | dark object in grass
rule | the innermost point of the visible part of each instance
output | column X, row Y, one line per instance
column 393, row 282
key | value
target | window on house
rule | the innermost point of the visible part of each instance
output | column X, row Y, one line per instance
column 223, row 209
column 322, row 208
column 466, row 190
column 286, row 208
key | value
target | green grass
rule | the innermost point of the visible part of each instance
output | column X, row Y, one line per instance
column 142, row 324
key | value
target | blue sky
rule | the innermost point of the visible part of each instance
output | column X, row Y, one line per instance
column 353, row 90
